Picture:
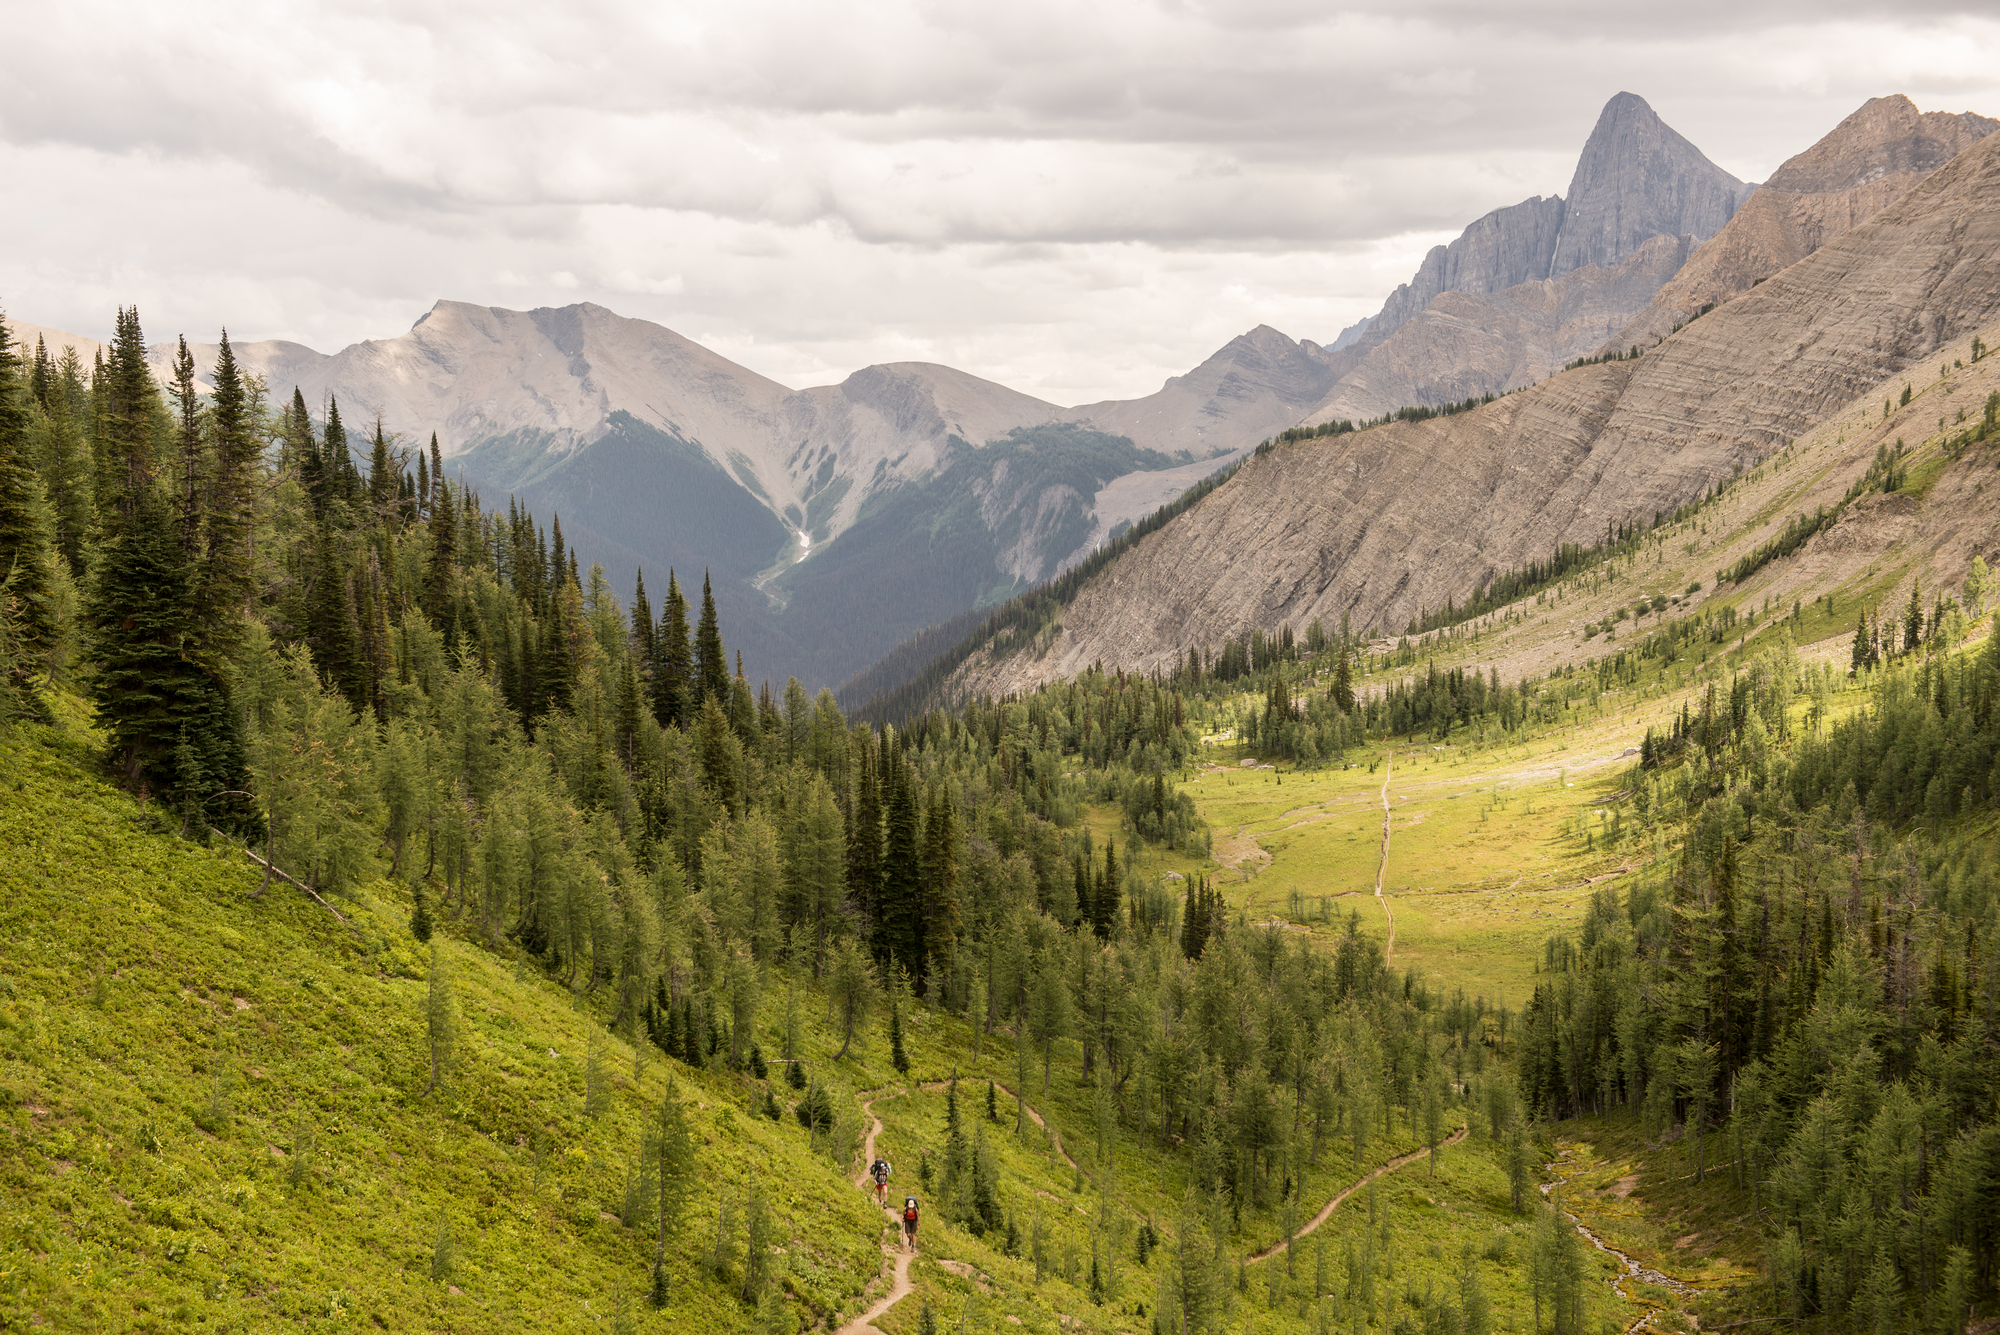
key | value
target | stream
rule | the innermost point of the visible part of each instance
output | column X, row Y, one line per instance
column 1633, row 1269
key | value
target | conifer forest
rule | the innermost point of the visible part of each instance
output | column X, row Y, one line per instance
column 457, row 797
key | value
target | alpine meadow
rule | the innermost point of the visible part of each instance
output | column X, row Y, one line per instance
column 1487, row 824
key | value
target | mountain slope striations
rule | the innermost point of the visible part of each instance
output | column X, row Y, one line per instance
column 1383, row 525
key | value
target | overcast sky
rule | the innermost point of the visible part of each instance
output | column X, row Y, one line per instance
column 1074, row 200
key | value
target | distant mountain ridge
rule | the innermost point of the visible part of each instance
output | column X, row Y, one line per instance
column 802, row 504
column 1380, row 527
column 1531, row 286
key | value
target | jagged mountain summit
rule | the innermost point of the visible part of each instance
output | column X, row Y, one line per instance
column 1534, row 285
column 1384, row 526
column 1867, row 162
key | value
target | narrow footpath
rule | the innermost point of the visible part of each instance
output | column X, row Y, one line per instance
column 895, row 1259
column 1382, row 870
column 1327, row 1212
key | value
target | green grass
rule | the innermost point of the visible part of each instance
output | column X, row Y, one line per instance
column 137, row 970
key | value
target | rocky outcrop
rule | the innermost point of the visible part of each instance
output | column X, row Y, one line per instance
column 1638, row 179
column 1869, row 161
column 1465, row 345
column 1385, row 524
column 1531, row 287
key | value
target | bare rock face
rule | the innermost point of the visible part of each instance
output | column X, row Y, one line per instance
column 1388, row 523
column 1507, row 247
column 1531, row 287
column 1866, row 163
column 1465, row 345
column 1638, row 179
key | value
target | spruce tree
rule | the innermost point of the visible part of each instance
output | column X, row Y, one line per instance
column 864, row 843
column 711, row 664
column 941, row 908
column 443, row 565
column 333, row 630
column 1105, row 903
column 130, row 404
column 228, row 580
column 902, row 938
column 673, row 669
column 24, row 546
column 382, row 477
column 189, row 415
column 67, row 465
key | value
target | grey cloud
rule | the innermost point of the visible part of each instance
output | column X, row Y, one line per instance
column 1043, row 186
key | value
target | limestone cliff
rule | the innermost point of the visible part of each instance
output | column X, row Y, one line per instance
column 1866, row 163
column 1385, row 524
column 1543, row 282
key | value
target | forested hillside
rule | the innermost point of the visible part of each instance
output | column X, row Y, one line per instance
column 420, row 800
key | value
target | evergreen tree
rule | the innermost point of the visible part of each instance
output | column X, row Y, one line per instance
column 444, row 553
column 864, row 843
column 673, row 669
column 940, row 859
column 24, row 548
column 228, row 583
column 333, row 630
column 1104, row 903
column 301, row 451
column 189, row 414
column 382, row 478
column 342, row 479
column 900, row 924
column 68, row 469
column 130, row 405
column 711, row 663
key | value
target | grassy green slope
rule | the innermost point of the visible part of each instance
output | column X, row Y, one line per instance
column 138, row 970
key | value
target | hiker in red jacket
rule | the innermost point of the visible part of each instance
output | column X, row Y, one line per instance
column 910, row 1222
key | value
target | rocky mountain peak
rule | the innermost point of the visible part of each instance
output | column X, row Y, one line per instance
column 1886, row 136
column 1639, row 179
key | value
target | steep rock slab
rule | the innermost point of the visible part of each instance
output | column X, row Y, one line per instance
column 1386, row 524
column 1867, row 162
column 1466, row 344
column 1527, row 288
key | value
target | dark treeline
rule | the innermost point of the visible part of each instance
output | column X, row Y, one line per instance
column 1811, row 993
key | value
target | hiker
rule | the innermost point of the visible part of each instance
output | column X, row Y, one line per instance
column 910, row 1222
column 880, row 1171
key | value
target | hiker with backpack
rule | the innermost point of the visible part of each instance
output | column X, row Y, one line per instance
column 880, row 1171
column 910, row 1222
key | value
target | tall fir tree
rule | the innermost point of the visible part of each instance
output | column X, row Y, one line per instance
column 444, row 553
column 902, row 914
column 382, row 473
column 67, row 467
column 190, row 462
column 131, row 412
column 673, row 669
column 711, row 663
column 864, row 843
column 644, row 633
column 229, row 581
column 24, row 545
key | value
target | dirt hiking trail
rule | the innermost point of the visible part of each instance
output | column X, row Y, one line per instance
column 1326, row 1212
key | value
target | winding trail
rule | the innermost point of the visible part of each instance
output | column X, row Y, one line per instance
column 1633, row 1269
column 1326, row 1212
column 1055, row 1136
column 1382, row 871
column 895, row 1260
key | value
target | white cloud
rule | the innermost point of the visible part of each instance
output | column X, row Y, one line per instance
column 1075, row 200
